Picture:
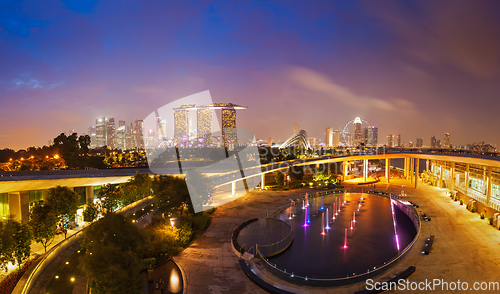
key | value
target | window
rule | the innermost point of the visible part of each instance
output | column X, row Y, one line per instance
column 35, row 196
column 477, row 185
column 495, row 191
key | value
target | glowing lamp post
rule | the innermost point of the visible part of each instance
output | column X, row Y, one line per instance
column 172, row 219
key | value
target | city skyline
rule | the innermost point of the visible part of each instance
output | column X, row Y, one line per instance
column 410, row 68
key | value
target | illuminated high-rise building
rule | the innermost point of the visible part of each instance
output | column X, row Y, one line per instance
column 446, row 140
column 181, row 121
column 296, row 128
column 329, row 137
column 390, row 140
column 433, row 142
column 129, row 136
column 204, row 125
column 357, row 133
column 121, row 135
column 270, row 141
column 335, row 138
column 229, row 134
column 100, row 130
column 373, row 134
column 397, row 141
column 138, row 133
column 420, row 142
column 110, row 133
column 92, row 135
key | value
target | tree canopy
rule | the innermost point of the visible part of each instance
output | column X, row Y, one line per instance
column 112, row 259
column 171, row 194
column 43, row 223
column 64, row 202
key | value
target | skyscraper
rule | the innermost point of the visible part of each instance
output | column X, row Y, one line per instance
column 357, row 134
column 110, row 133
column 336, row 138
column 228, row 125
column 204, row 125
column 121, row 135
column 446, row 140
column 296, row 128
column 420, row 142
column 433, row 142
column 92, row 135
column 138, row 133
column 329, row 137
column 373, row 131
column 181, row 122
column 390, row 140
column 397, row 141
column 129, row 137
column 100, row 128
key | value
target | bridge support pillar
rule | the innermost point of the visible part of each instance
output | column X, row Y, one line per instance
column 388, row 170
column 466, row 179
column 365, row 169
column 262, row 181
column 440, row 176
column 345, row 165
column 488, row 185
column 412, row 168
column 427, row 165
column 233, row 188
column 89, row 194
column 452, row 177
column 417, row 169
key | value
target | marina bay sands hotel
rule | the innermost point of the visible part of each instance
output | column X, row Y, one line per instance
column 184, row 125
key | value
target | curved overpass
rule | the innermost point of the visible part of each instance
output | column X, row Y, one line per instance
column 474, row 176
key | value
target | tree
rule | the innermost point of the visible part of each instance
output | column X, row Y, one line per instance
column 200, row 188
column 22, row 238
column 6, row 244
column 65, row 202
column 91, row 211
column 112, row 259
column 111, row 196
column 171, row 193
column 280, row 178
column 43, row 223
column 84, row 143
column 296, row 173
column 138, row 187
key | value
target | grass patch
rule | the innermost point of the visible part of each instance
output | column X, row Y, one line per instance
column 65, row 273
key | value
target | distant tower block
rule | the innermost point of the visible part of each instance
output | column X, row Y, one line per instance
column 295, row 128
column 228, row 125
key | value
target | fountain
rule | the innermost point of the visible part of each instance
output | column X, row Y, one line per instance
column 291, row 207
column 335, row 210
column 354, row 217
column 327, row 220
column 322, row 225
column 345, row 239
column 305, row 218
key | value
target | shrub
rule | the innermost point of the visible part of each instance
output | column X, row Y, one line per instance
column 490, row 219
column 482, row 215
column 474, row 209
column 456, row 198
column 461, row 202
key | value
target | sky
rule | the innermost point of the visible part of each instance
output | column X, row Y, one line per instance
column 415, row 68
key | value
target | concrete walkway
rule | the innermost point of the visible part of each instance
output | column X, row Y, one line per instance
column 465, row 247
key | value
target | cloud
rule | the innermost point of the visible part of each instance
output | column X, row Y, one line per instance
column 318, row 82
column 26, row 81
column 460, row 34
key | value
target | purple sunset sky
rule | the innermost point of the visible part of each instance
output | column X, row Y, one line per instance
column 415, row 68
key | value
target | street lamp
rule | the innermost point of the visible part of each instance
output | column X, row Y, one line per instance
column 172, row 219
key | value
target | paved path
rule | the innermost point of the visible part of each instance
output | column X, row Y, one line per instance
column 465, row 247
